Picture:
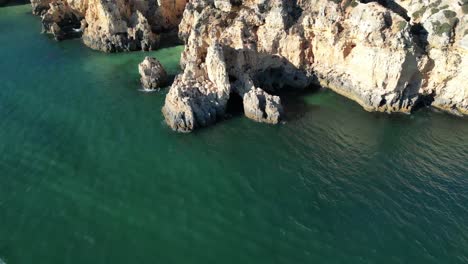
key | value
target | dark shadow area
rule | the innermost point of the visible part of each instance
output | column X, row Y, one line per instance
column 271, row 73
column 295, row 12
column 424, row 101
column 235, row 106
column 390, row 4
column 13, row 2
column 420, row 35
column 295, row 107
column 170, row 79
column 69, row 27
column 169, row 39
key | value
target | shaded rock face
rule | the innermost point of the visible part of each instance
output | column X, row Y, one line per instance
column 153, row 75
column 39, row 7
column 111, row 26
column 62, row 21
column 389, row 56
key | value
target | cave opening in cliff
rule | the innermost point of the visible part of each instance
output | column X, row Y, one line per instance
column 424, row 100
column 235, row 105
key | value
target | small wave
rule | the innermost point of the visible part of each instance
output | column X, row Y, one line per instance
column 2, row 262
column 147, row 91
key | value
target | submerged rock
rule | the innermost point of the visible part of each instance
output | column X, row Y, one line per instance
column 153, row 75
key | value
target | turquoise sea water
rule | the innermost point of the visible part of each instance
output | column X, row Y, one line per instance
column 89, row 172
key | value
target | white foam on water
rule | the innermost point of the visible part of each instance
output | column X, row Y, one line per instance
column 145, row 91
column 2, row 262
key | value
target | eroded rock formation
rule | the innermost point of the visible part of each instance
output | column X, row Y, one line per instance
column 199, row 97
column 111, row 26
column 262, row 107
column 153, row 75
column 389, row 56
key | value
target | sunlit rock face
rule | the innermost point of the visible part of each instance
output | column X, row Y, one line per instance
column 111, row 26
column 445, row 34
column 389, row 56
column 153, row 75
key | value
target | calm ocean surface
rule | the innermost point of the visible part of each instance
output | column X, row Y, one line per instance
column 89, row 172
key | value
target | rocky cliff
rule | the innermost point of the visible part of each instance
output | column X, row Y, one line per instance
column 389, row 56
column 111, row 26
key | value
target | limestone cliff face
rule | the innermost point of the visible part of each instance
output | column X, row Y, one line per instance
column 446, row 45
column 388, row 56
column 111, row 26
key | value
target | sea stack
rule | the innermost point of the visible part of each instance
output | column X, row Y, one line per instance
column 262, row 107
column 153, row 74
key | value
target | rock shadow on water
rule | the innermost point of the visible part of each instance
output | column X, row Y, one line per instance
column 12, row 3
column 294, row 103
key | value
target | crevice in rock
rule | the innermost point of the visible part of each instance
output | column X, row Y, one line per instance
column 383, row 101
column 294, row 11
column 420, row 36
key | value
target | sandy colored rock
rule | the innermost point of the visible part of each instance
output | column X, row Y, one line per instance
column 199, row 97
column 153, row 74
column 111, row 26
column 388, row 56
column 262, row 107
